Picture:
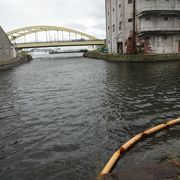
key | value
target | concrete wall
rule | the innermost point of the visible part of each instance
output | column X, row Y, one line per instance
column 120, row 12
column 167, row 43
column 108, row 26
column 117, row 26
column 157, row 4
column 120, row 22
column 164, row 44
column 114, row 25
column 152, row 23
column 20, row 59
column 7, row 50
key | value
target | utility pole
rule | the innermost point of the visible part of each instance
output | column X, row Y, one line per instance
column 134, row 27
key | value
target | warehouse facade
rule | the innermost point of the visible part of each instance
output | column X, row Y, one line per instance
column 146, row 26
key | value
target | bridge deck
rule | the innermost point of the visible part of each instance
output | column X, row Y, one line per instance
column 59, row 44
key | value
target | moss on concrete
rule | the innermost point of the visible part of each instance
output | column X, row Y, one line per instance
column 20, row 59
column 131, row 58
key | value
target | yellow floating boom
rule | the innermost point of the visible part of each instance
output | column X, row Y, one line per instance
column 117, row 155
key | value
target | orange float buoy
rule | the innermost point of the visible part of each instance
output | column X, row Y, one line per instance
column 117, row 155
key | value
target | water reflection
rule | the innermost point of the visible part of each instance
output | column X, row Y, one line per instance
column 62, row 118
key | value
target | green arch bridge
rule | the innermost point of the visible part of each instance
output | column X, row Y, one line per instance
column 63, row 37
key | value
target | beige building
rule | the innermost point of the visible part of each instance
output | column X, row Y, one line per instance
column 7, row 50
column 153, row 26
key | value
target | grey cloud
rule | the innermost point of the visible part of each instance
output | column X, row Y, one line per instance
column 100, row 26
column 87, row 16
column 76, row 26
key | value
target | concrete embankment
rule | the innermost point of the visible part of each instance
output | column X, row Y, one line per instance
column 20, row 59
column 132, row 58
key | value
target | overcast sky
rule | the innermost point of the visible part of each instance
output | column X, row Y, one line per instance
column 84, row 15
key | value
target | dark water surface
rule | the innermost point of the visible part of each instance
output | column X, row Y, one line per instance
column 62, row 118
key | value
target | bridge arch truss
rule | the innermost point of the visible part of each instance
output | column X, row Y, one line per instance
column 63, row 36
column 21, row 32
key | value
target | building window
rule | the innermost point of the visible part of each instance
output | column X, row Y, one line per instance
column 119, row 5
column 113, row 27
column 129, row 1
column 147, row 38
column 148, row 18
column 120, row 25
column 166, row 18
column 113, row 9
column 164, row 37
column 1, row 51
column 130, row 20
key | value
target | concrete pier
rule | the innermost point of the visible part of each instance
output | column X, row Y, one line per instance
column 20, row 59
column 132, row 58
column 8, row 54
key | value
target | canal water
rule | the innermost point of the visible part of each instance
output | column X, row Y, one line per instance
column 63, row 116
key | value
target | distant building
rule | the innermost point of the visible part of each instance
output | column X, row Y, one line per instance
column 148, row 26
column 7, row 50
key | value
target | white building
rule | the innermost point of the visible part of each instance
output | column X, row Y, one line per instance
column 156, row 26
column 7, row 50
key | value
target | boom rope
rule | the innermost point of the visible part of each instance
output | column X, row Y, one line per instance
column 118, row 154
